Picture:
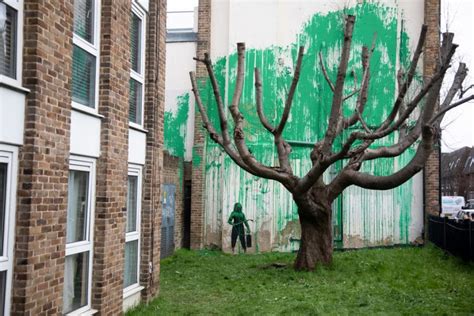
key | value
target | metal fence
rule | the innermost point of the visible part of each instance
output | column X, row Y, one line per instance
column 456, row 238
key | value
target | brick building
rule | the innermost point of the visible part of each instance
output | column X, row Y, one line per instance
column 457, row 173
column 81, row 137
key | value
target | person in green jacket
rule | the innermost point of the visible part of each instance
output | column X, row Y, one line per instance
column 237, row 220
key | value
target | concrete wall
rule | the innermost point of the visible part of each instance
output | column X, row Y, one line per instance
column 272, row 31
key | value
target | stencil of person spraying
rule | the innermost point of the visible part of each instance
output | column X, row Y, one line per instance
column 237, row 220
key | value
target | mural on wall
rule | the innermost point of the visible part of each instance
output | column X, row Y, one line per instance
column 176, row 118
column 361, row 217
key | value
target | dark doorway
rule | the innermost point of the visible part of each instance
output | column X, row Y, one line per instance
column 187, row 215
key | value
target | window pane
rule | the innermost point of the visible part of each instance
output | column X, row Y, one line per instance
column 76, row 282
column 131, row 263
column 135, row 42
column 132, row 203
column 83, row 77
column 84, row 19
column 3, row 285
column 77, row 206
column 8, row 30
column 3, row 201
column 135, row 102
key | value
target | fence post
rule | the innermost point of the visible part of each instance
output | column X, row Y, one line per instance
column 471, row 255
column 444, row 233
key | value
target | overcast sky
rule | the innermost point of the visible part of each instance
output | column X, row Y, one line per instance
column 457, row 16
column 458, row 125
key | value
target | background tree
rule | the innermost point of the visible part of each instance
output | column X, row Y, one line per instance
column 415, row 118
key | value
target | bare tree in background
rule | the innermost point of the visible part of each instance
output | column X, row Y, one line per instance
column 311, row 194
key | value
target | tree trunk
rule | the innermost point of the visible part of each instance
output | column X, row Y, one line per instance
column 316, row 246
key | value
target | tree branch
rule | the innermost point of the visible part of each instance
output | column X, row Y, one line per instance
column 239, row 137
column 220, row 104
column 409, row 78
column 362, row 98
column 259, row 101
column 456, row 87
column 441, row 113
column 351, row 176
column 210, row 128
column 291, row 93
column 325, row 73
column 432, row 86
column 205, row 119
column 337, row 100
column 463, row 91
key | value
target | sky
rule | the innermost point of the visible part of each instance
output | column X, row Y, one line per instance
column 457, row 16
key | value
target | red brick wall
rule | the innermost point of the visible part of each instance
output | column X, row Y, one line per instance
column 198, row 171
column 112, row 166
column 43, row 160
column 153, row 171
column 44, row 165
column 431, row 53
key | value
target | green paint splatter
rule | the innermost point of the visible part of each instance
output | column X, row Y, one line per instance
column 311, row 107
column 175, row 127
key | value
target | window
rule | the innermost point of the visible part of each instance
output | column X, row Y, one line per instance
column 11, row 22
column 8, row 175
column 137, row 60
column 79, row 236
column 132, row 232
column 85, row 55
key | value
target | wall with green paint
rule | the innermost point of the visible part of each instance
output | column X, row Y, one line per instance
column 273, row 31
column 179, row 107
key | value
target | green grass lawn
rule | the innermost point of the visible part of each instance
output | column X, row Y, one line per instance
column 371, row 281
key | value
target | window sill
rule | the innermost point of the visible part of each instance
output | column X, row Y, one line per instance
column 129, row 291
column 137, row 127
column 83, row 110
column 82, row 312
column 12, row 85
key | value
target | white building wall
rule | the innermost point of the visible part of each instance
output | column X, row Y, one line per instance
column 12, row 115
column 179, row 62
column 267, row 24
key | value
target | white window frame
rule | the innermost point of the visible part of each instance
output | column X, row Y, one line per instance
column 17, row 82
column 140, row 76
column 93, row 49
column 9, row 155
column 135, row 170
column 77, row 163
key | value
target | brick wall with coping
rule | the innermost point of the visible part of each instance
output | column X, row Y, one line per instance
column 430, row 57
column 153, row 170
column 43, row 160
column 198, row 171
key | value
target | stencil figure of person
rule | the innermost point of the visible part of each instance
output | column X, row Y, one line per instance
column 237, row 220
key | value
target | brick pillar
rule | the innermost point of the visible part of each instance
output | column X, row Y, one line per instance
column 152, row 173
column 431, row 53
column 198, row 170
column 112, row 166
column 43, row 160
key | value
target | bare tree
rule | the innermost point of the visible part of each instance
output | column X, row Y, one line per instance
column 311, row 194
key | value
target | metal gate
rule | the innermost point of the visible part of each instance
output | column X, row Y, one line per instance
column 167, row 223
